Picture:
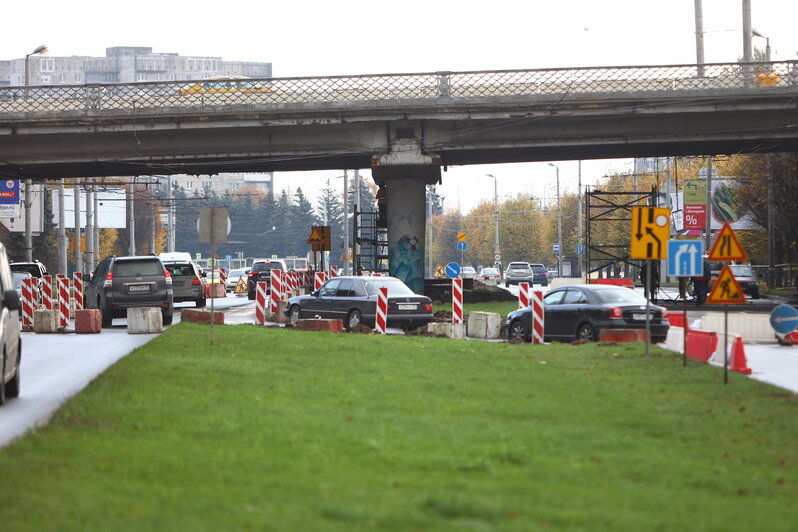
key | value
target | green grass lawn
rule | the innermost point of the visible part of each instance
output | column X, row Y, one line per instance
column 277, row 429
column 499, row 307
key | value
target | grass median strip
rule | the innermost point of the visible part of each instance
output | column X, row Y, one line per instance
column 277, row 429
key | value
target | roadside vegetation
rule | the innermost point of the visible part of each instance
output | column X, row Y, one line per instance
column 278, row 429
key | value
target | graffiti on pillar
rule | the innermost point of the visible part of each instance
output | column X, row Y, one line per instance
column 407, row 262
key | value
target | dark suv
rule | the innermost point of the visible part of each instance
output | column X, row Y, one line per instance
column 540, row 274
column 261, row 272
column 120, row 283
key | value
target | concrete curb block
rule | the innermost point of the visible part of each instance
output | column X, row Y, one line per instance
column 202, row 316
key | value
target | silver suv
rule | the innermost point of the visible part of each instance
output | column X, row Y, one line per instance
column 187, row 282
column 518, row 272
column 9, row 330
column 120, row 283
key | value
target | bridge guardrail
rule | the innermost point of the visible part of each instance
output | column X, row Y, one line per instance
column 438, row 87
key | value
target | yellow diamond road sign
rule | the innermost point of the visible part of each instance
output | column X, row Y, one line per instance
column 461, row 236
column 651, row 228
column 241, row 286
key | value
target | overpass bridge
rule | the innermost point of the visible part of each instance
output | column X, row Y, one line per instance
column 405, row 127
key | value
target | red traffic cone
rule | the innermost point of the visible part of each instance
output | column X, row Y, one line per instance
column 738, row 360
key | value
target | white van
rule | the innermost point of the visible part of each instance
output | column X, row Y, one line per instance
column 175, row 256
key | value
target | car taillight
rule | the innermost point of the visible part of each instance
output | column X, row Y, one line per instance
column 167, row 277
column 428, row 308
column 109, row 278
column 196, row 281
column 615, row 312
column 250, row 275
column 166, row 273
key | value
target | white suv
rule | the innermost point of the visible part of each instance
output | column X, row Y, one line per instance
column 9, row 330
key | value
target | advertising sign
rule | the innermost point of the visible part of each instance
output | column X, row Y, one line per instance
column 695, row 216
column 9, row 198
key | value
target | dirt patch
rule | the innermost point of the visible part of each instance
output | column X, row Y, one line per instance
column 361, row 329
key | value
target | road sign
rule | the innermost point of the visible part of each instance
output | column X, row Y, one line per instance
column 726, row 289
column 199, row 256
column 462, row 245
column 784, row 319
column 461, row 236
column 241, row 286
column 320, row 237
column 695, row 192
column 685, row 258
column 453, row 270
column 497, row 257
column 555, row 248
column 439, row 271
column 695, row 216
column 9, row 198
column 213, row 224
column 726, row 246
column 651, row 227
column 580, row 250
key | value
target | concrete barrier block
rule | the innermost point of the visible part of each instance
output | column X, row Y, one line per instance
column 752, row 327
column 450, row 330
column 144, row 320
column 216, row 290
column 280, row 317
column 45, row 321
column 202, row 316
column 88, row 321
column 321, row 325
column 484, row 324
column 675, row 339
column 622, row 335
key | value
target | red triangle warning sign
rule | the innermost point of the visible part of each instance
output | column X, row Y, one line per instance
column 726, row 289
column 726, row 246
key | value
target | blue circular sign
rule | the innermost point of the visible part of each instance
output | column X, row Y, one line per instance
column 462, row 246
column 452, row 270
column 784, row 319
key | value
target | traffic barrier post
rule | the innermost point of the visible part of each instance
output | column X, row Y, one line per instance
column 457, row 300
column 77, row 290
column 381, row 321
column 523, row 295
column 537, row 317
column 276, row 282
column 63, row 301
column 27, row 304
column 260, row 303
column 47, row 292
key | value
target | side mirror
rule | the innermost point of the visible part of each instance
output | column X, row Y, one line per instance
column 11, row 300
column 204, row 274
column 315, row 293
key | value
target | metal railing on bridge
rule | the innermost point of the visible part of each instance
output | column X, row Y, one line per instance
column 438, row 88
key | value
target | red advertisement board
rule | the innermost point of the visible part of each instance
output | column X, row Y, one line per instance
column 695, row 216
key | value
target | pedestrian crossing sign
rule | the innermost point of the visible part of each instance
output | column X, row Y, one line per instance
column 241, row 286
column 726, row 289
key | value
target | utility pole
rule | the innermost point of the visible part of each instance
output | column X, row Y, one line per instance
column 429, row 230
column 96, row 235
column 131, row 220
column 78, row 254
column 89, row 230
column 771, row 226
column 748, row 55
column 346, row 222
column 579, row 217
column 708, row 234
column 699, row 37
column 62, row 239
column 170, row 219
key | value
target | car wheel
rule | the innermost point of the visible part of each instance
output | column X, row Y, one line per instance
column 13, row 388
column 168, row 316
column 251, row 296
column 690, row 288
column 518, row 331
column 200, row 302
column 295, row 314
column 353, row 319
column 586, row 333
column 105, row 314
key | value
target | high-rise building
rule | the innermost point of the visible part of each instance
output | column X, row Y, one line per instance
column 124, row 64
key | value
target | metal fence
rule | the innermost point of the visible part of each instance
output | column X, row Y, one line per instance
column 434, row 88
column 784, row 275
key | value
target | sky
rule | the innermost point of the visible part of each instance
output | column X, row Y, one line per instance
column 309, row 38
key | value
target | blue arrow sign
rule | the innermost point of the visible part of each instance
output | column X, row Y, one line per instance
column 580, row 250
column 685, row 258
column 462, row 246
column 452, row 270
column 229, row 258
column 784, row 319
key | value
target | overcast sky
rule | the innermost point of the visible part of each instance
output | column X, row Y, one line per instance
column 304, row 38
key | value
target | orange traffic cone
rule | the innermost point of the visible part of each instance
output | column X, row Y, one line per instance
column 738, row 361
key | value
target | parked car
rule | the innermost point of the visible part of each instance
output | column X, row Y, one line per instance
column 540, row 274
column 353, row 299
column 490, row 273
column 581, row 312
column 188, row 283
column 261, row 272
column 746, row 278
column 11, row 355
column 120, row 283
column 518, row 272
column 36, row 269
column 17, row 278
column 468, row 272
column 234, row 276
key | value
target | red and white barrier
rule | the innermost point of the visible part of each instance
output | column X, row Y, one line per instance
column 319, row 279
column 260, row 302
column 381, row 322
column 334, row 271
column 28, row 303
column 276, row 281
column 223, row 277
column 457, row 300
column 523, row 295
column 47, row 292
column 63, row 301
column 537, row 317
column 77, row 290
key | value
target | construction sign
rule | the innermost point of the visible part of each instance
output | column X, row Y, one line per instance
column 241, row 286
column 651, row 229
column 726, row 289
column 439, row 271
column 726, row 246
column 320, row 237
column 462, row 236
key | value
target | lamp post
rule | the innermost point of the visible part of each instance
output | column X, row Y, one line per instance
column 559, row 222
column 29, row 182
column 497, row 256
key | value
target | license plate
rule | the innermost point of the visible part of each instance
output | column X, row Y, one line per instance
column 138, row 288
column 406, row 306
column 641, row 316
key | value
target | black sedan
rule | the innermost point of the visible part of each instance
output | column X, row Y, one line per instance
column 582, row 312
column 354, row 300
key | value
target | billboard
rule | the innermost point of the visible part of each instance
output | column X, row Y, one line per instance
column 111, row 210
column 726, row 207
column 9, row 198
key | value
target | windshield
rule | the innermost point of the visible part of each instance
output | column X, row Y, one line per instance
column 518, row 267
column 395, row 287
column 620, row 295
column 237, row 273
column 742, row 271
column 178, row 270
column 137, row 268
column 490, row 270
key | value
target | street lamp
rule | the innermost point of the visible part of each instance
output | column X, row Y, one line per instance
column 497, row 256
column 559, row 222
column 755, row 33
column 29, row 182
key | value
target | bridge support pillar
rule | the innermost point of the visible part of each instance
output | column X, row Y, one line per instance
column 406, row 217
